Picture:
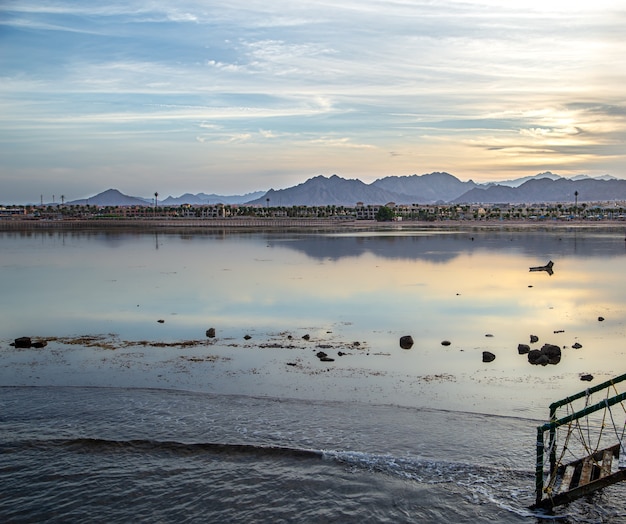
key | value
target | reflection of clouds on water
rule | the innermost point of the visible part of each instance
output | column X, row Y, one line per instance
column 443, row 247
column 368, row 288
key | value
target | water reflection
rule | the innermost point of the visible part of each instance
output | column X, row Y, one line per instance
column 365, row 287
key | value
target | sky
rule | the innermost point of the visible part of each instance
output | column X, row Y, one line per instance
column 192, row 96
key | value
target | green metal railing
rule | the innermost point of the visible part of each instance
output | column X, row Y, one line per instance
column 555, row 423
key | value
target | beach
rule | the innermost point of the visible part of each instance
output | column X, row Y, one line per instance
column 130, row 364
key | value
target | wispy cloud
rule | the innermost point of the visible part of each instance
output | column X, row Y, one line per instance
column 481, row 88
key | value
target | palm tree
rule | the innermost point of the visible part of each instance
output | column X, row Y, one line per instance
column 156, row 200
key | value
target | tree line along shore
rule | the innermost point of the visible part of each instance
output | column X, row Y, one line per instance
column 390, row 212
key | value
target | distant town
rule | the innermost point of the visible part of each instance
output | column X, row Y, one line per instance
column 441, row 197
column 372, row 212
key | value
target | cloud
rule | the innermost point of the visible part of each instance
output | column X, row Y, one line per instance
column 480, row 87
column 553, row 133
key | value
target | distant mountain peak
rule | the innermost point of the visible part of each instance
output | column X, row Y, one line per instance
column 430, row 188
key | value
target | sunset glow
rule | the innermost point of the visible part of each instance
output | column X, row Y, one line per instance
column 194, row 96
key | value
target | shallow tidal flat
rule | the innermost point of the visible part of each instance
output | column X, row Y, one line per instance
column 319, row 315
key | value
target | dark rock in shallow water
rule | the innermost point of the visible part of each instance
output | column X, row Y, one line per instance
column 406, row 342
column 548, row 354
column 534, row 339
column 537, row 358
column 247, row 337
column 324, row 357
column 161, row 321
column 210, row 332
column 586, row 377
column 488, row 356
column 523, row 349
column 600, row 319
column 576, row 345
column 40, row 344
column 22, row 342
column 306, row 337
column 445, row 342
column 552, row 352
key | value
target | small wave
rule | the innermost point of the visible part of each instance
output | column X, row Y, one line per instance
column 96, row 445
column 507, row 488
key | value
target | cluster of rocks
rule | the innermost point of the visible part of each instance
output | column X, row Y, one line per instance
column 548, row 354
column 321, row 355
column 27, row 342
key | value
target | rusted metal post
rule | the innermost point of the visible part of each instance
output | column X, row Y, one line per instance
column 552, row 440
column 539, row 467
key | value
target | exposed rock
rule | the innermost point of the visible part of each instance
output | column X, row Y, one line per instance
column 356, row 344
column 161, row 321
column 552, row 352
column 489, row 335
column 536, row 357
column 600, row 319
column 523, row 349
column 210, row 332
column 586, row 377
column 324, row 357
column 576, row 345
column 548, row 354
column 306, row 337
column 406, row 342
column 445, row 342
column 22, row 342
column 534, row 339
column 488, row 356
column 247, row 337
column 40, row 344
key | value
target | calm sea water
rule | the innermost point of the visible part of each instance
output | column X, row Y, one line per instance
column 122, row 417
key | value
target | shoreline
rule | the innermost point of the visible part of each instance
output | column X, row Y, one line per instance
column 279, row 224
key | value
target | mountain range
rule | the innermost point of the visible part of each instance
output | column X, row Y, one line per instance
column 431, row 188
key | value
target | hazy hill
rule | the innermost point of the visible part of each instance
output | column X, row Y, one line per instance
column 547, row 174
column 548, row 190
column 333, row 191
column 425, row 189
column 204, row 199
column 111, row 197
column 415, row 189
